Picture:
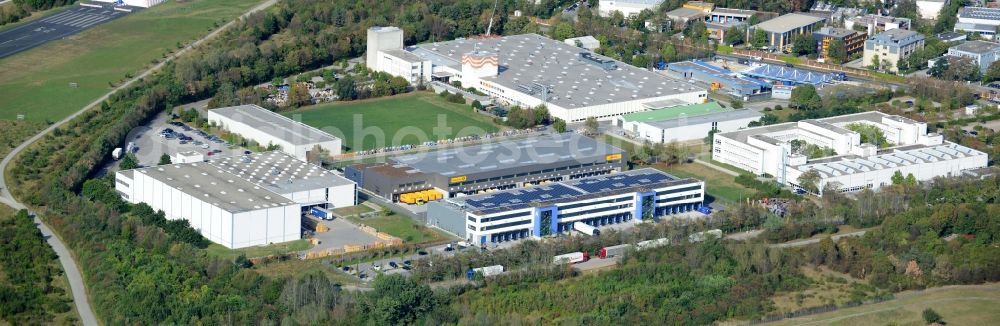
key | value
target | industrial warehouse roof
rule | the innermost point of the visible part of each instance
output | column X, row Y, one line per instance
column 888, row 159
column 788, row 22
column 403, row 54
column 274, row 124
column 509, row 154
column 787, row 74
column 979, row 13
column 686, row 13
column 730, row 78
column 215, row 186
column 529, row 62
column 977, row 47
column 280, row 172
column 569, row 191
column 675, row 112
column 707, row 118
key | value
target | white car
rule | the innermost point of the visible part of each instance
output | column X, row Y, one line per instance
column 204, row 146
column 377, row 268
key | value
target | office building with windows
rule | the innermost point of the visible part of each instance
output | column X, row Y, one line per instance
column 551, row 209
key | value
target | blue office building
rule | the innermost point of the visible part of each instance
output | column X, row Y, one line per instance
column 550, row 209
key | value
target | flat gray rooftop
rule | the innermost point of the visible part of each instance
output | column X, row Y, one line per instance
column 977, row 47
column 788, row 22
column 275, row 124
column 872, row 116
column 405, row 55
column 572, row 81
column 509, row 154
column 215, row 186
column 280, row 172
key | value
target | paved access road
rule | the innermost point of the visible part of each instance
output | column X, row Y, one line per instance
column 68, row 263
column 54, row 27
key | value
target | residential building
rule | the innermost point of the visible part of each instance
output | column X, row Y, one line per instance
column 552, row 209
column 777, row 150
column 891, row 46
column 854, row 42
column 980, row 20
column 782, row 30
column 720, row 20
column 873, row 24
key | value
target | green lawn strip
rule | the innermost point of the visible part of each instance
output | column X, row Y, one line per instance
column 719, row 185
column 397, row 120
column 37, row 82
column 353, row 210
column 401, row 227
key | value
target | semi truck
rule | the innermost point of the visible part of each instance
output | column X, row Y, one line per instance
column 705, row 235
column 117, row 153
column 648, row 244
column 484, row 271
column 586, row 229
column 613, row 251
column 321, row 212
column 571, row 258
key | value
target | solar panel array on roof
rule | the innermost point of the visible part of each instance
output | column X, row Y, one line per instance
column 787, row 74
column 521, row 198
column 619, row 181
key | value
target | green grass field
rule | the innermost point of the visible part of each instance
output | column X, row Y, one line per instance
column 717, row 184
column 259, row 251
column 403, row 119
column 401, row 227
column 353, row 210
column 958, row 305
column 36, row 82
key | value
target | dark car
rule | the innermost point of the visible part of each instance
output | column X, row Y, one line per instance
column 246, row 152
column 407, row 267
column 407, row 262
column 422, row 253
column 217, row 151
column 183, row 142
column 346, row 268
column 393, row 264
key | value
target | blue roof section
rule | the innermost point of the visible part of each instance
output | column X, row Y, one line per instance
column 711, row 67
column 788, row 74
column 619, row 181
column 520, row 198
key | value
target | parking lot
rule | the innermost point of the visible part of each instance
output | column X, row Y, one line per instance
column 149, row 145
column 55, row 27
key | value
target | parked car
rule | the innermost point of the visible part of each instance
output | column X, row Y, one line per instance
column 407, row 262
column 217, row 151
column 210, row 153
column 393, row 264
column 377, row 267
column 204, row 146
column 246, row 152
column 422, row 253
column 183, row 142
column 197, row 143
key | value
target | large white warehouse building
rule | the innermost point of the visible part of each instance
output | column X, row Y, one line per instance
column 529, row 70
column 769, row 150
column 268, row 128
column 238, row 202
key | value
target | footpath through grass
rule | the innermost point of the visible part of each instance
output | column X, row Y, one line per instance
column 37, row 82
column 397, row 120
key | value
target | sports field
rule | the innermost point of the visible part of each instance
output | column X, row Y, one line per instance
column 958, row 305
column 37, row 82
column 402, row 119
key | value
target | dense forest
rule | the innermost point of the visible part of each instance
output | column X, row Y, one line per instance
column 28, row 268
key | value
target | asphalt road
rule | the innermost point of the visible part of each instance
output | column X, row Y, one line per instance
column 54, row 27
column 69, row 265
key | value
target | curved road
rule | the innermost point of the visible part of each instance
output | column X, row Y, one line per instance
column 69, row 265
